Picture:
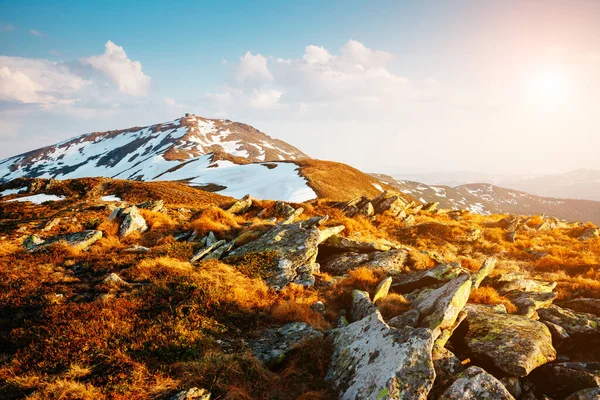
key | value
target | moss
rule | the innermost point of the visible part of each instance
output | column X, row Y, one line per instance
column 383, row 393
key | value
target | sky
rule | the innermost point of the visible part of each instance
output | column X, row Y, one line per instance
column 501, row 87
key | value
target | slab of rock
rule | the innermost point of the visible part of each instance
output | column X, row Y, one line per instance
column 589, row 233
column 429, row 277
column 373, row 361
column 272, row 345
column 137, row 249
column 206, row 251
column 486, row 268
column 192, row 394
column 446, row 366
column 528, row 303
column 283, row 209
column 342, row 263
column 153, row 205
column 51, row 224
column 574, row 323
column 296, row 247
column 362, row 305
column 475, row 384
column 382, row 290
column 114, row 280
column 562, row 379
column 353, row 245
column 584, row 305
column 513, row 343
column 78, row 241
column 32, row 242
column 407, row 318
column 219, row 251
column 559, row 334
column 440, row 308
column 510, row 281
column 241, row 206
column 131, row 221
column 585, row 394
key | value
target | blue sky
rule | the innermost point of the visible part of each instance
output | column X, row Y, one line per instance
column 474, row 79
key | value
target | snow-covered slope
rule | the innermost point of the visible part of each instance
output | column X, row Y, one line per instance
column 224, row 156
column 483, row 198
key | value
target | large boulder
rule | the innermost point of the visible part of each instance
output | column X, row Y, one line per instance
column 574, row 323
column 373, row 361
column 272, row 345
column 476, row 384
column 429, row 277
column 513, row 343
column 362, row 305
column 584, row 305
column 528, row 303
column 585, row 394
column 296, row 248
column 440, row 308
column 510, row 281
column 342, row 263
column 339, row 242
column 486, row 268
column 77, row 241
column 241, row 206
column 562, row 379
column 131, row 221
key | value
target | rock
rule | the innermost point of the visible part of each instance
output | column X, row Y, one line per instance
column 430, row 207
column 439, row 308
column 589, row 233
column 206, row 250
column 373, row 361
column 584, row 305
column 296, row 248
column 32, row 242
column 153, row 205
column 559, row 334
column 293, row 216
column 409, row 221
column 473, row 235
column 209, row 239
column 391, row 261
column 510, row 281
column 283, row 209
column 219, row 251
column 446, row 366
column 513, row 343
column 241, row 206
column 340, row 264
column 131, row 221
column 192, row 394
column 429, row 277
column 362, row 305
column 511, row 236
column 382, row 289
column 273, row 344
column 114, row 280
column 585, row 394
column 318, row 306
column 51, row 224
column 474, row 383
column 407, row 318
column 574, row 323
column 528, row 303
column 137, row 249
column 486, row 268
column 513, row 385
column 562, row 379
column 346, row 244
column 367, row 210
column 393, row 204
column 77, row 241
column 351, row 208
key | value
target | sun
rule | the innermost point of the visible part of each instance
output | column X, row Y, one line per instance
column 549, row 89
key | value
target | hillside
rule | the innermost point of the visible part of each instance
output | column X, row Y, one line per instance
column 114, row 289
column 489, row 199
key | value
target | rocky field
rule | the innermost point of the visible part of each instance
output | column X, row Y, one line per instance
column 135, row 290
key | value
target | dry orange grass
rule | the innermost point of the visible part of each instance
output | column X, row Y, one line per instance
column 489, row 295
column 392, row 305
column 214, row 219
column 157, row 219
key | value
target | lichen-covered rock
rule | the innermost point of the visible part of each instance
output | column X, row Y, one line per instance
column 219, row 251
column 513, row 343
column 559, row 334
column 362, row 305
column 153, row 205
column 439, row 308
column 430, row 277
column 131, row 221
column 584, row 305
column 283, row 209
column 585, row 394
column 486, row 268
column 206, row 251
column 407, row 318
column 296, row 249
column 382, row 290
column 272, row 345
column 342, row 263
column 590, row 233
column 373, row 361
column 77, row 241
column 241, row 206
column 114, row 280
column 510, row 281
column 137, row 249
column 33, row 241
column 353, row 245
column 528, row 303
column 574, row 323
column 476, row 384
column 562, row 379
column 446, row 366
column 192, row 394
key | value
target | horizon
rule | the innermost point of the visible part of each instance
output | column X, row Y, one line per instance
column 413, row 93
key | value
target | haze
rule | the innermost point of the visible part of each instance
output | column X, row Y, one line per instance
column 509, row 87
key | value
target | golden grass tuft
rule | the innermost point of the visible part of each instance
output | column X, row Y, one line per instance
column 488, row 295
column 392, row 305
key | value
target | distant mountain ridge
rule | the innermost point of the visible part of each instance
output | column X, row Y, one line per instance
column 484, row 198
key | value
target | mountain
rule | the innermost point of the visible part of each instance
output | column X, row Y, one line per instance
column 483, row 198
column 217, row 155
column 578, row 184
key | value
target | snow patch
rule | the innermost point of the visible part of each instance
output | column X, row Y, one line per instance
column 38, row 198
column 7, row 192
column 110, row 197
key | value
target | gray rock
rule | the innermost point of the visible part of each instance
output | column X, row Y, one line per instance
column 513, row 343
column 77, row 241
column 391, row 261
column 219, row 251
column 362, row 305
column 584, row 305
column 114, row 280
column 486, row 268
column 382, row 290
column 137, row 249
column 373, row 361
column 440, row 308
column 296, row 246
column 437, row 275
column 446, row 366
column 574, row 323
column 408, row 318
column 206, row 251
column 510, row 281
column 589, row 233
column 318, row 306
column 241, row 206
column 559, row 334
column 131, row 221
column 153, row 205
column 272, row 345
column 562, row 379
column 32, row 242
column 340, row 264
column 528, row 303
column 192, row 394
column 585, row 394
column 290, row 219
column 283, row 209
column 347, row 244
column 51, row 225
column 476, row 384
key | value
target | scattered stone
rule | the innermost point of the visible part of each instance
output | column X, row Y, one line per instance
column 283, row 209
column 511, row 236
column 439, row 308
column 431, row 207
column 206, row 250
column 446, row 366
column 241, row 206
column 574, row 323
column 192, row 394
column 131, row 221
column 559, row 334
column 373, row 361
column 382, row 289
column 585, row 394
column 507, row 282
column 584, row 305
column 219, row 251
column 407, row 318
column 513, row 343
column 347, row 244
column 292, row 217
column 318, row 306
column 528, row 303
column 589, row 233
column 77, row 241
column 153, row 205
column 341, row 263
column 32, row 242
column 114, row 280
column 562, row 379
column 137, row 249
column 409, row 221
column 430, row 277
column 486, row 268
column 475, row 384
column 51, row 224
column 362, row 305
column 273, row 344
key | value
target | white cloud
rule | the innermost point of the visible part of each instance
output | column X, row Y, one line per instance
column 356, row 52
column 16, row 86
column 35, row 32
column 126, row 74
column 253, row 66
column 265, row 98
column 316, row 55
